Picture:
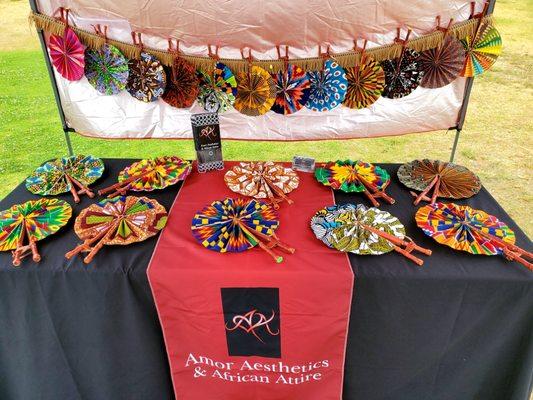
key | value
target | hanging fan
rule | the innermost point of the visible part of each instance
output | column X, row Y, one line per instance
column 66, row 51
column 149, row 174
column 30, row 222
column 482, row 50
column 217, row 91
column 263, row 180
column 364, row 231
column 356, row 176
column 256, row 91
column 106, row 69
column 147, row 79
column 236, row 225
column 366, row 82
column 327, row 88
column 182, row 82
column 118, row 221
column 62, row 175
column 444, row 178
column 474, row 231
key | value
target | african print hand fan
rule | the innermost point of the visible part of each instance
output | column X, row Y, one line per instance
column 67, row 52
column 182, row 84
column 218, row 90
column 442, row 65
column 106, row 69
column 30, row 222
column 482, row 51
column 118, row 221
column 467, row 229
column 327, row 87
column 256, row 91
column 402, row 75
column 364, row 231
column 292, row 90
column 356, row 176
column 147, row 79
column 263, row 180
column 444, row 178
column 69, row 174
column 149, row 174
column 366, row 82
column 236, row 225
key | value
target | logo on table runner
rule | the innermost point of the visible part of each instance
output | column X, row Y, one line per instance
column 252, row 321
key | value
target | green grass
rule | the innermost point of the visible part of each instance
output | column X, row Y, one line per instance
column 496, row 142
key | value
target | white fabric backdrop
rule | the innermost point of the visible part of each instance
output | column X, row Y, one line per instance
column 260, row 24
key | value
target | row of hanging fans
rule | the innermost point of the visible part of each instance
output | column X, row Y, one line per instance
column 236, row 225
column 255, row 91
column 117, row 220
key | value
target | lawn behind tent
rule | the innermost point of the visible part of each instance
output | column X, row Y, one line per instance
column 496, row 142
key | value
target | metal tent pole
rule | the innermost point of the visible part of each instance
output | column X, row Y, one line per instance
column 66, row 128
column 464, row 106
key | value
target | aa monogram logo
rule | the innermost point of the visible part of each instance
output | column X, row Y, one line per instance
column 252, row 321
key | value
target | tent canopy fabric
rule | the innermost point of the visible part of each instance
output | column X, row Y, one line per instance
column 260, row 25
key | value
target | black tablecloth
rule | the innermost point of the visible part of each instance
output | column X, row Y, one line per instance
column 458, row 328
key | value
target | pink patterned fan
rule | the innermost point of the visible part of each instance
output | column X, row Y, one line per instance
column 67, row 52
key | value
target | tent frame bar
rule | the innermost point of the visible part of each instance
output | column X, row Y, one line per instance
column 67, row 130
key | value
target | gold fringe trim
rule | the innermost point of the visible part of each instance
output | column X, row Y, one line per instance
column 346, row 59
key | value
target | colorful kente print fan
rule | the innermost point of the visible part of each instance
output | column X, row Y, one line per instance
column 364, row 231
column 356, row 176
column 327, row 87
column 366, row 82
column 149, row 174
column 292, row 90
column 30, row 222
column 263, row 180
column 118, row 221
column 444, row 178
column 402, row 75
column 483, row 51
column 236, row 225
column 147, row 78
column 256, row 92
column 467, row 229
column 106, row 69
column 218, row 90
column 67, row 52
column 69, row 174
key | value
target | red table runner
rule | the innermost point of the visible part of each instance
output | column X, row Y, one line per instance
column 239, row 326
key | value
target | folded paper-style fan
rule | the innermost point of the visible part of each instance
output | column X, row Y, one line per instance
column 442, row 64
column 366, row 81
column 67, row 52
column 106, row 69
column 292, row 89
column 256, row 91
column 403, row 74
column 218, row 89
column 474, row 231
column 182, row 82
column 444, row 178
column 30, row 222
column 69, row 174
column 263, row 180
column 356, row 176
column 327, row 87
column 482, row 50
column 147, row 79
column 149, row 174
column 364, row 231
column 236, row 225
column 118, row 221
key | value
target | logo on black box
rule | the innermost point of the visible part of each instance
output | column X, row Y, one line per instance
column 252, row 321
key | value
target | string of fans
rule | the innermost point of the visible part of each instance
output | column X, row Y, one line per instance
column 353, row 79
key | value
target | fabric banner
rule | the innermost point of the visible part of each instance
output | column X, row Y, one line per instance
column 239, row 326
column 260, row 26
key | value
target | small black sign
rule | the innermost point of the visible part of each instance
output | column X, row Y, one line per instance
column 206, row 133
column 252, row 321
